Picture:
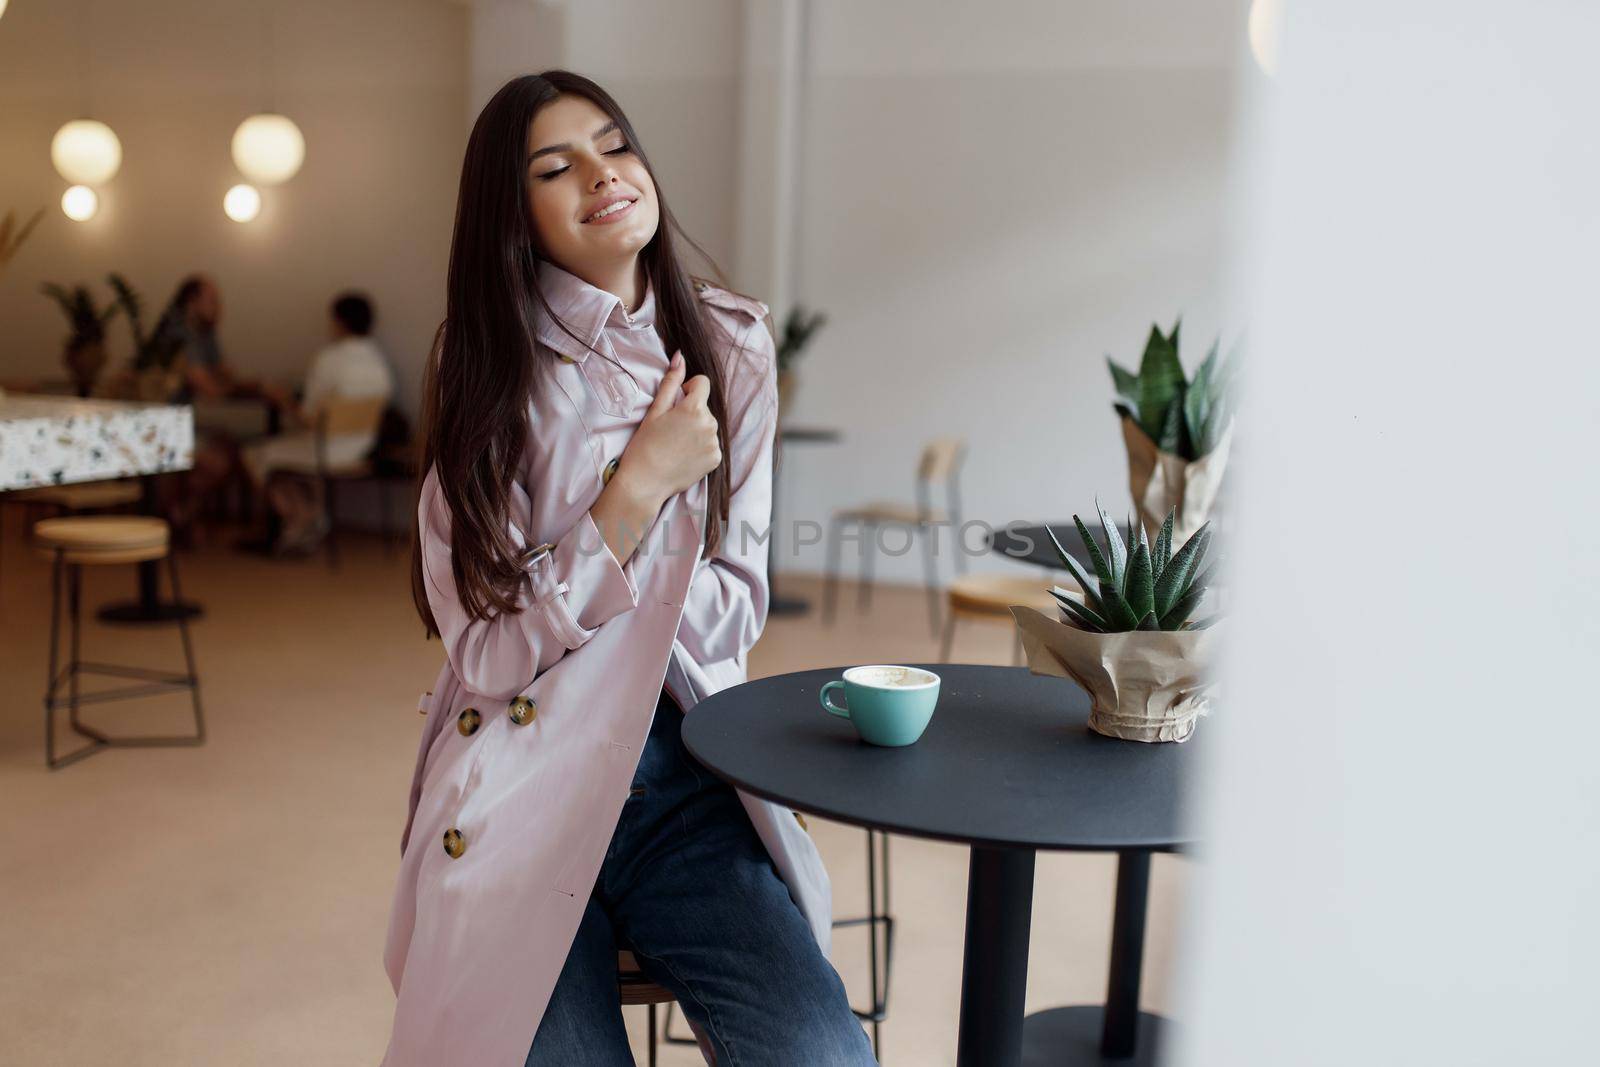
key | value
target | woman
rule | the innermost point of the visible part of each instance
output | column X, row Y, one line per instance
column 592, row 552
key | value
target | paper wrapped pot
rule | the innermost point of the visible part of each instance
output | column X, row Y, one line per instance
column 1142, row 685
column 1160, row 482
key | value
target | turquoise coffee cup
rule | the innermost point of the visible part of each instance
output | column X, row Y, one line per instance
column 888, row 705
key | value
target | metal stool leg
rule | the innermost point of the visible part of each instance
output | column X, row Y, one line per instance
column 188, row 651
column 864, row 588
column 328, row 503
column 878, row 917
column 947, row 642
column 157, row 681
column 830, row 577
column 930, row 566
column 50, row 678
column 74, row 598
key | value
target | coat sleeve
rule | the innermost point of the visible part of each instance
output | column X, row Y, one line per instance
column 726, row 607
column 567, row 593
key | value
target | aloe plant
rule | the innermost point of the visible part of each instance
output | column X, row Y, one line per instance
column 1183, row 417
column 153, row 349
column 88, row 322
column 1136, row 585
column 798, row 327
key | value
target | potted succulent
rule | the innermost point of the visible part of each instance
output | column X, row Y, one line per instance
column 11, row 237
column 1178, row 432
column 157, row 371
column 84, row 351
column 1130, row 637
column 798, row 327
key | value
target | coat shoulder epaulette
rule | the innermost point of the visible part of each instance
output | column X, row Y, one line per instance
column 747, row 306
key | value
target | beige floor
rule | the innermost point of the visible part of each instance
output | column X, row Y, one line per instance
column 226, row 904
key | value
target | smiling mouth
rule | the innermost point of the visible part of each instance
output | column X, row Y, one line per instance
column 610, row 211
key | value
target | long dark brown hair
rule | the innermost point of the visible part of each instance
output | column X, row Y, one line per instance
column 486, row 360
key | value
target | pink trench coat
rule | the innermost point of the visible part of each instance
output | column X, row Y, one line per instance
column 536, row 722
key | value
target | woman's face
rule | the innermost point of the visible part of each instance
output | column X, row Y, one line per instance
column 579, row 163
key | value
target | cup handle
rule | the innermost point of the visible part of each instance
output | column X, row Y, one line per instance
column 832, row 708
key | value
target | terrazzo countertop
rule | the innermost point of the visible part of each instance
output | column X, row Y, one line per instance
column 55, row 440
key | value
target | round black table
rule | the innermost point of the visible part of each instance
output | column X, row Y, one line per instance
column 1007, row 767
column 1030, row 543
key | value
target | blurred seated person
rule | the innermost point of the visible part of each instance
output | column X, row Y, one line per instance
column 351, row 367
column 188, row 328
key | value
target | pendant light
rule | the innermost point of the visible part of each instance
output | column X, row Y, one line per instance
column 242, row 203
column 268, row 147
column 86, row 152
column 79, row 203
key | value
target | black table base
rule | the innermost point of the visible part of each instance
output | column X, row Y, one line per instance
column 149, row 607
column 1070, row 1037
column 994, row 972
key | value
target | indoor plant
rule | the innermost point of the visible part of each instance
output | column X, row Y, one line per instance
column 11, row 237
column 157, row 371
column 84, row 351
column 1178, row 432
column 798, row 327
column 1130, row 637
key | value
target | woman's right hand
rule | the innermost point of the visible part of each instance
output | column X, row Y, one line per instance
column 676, row 443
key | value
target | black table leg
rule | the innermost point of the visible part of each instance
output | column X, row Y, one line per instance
column 149, row 607
column 777, row 604
column 1118, row 1033
column 994, row 974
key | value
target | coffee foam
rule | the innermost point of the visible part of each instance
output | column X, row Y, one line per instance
column 890, row 677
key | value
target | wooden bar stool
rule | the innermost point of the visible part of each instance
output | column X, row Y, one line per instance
column 990, row 596
column 637, row 988
column 92, row 540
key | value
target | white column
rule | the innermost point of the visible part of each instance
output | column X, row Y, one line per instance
column 771, row 122
column 509, row 38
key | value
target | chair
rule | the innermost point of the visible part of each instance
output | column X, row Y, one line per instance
column 636, row 988
column 990, row 596
column 880, row 964
column 940, row 461
column 338, row 416
column 78, row 497
column 103, row 540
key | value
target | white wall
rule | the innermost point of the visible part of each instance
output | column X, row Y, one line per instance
column 674, row 68
column 378, row 88
column 1401, row 863
column 994, row 198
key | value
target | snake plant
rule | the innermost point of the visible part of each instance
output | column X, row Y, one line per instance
column 88, row 323
column 1185, row 418
column 1136, row 585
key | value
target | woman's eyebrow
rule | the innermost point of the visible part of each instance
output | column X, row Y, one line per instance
column 566, row 146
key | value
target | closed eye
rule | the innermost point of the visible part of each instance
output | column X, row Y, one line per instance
column 551, row 175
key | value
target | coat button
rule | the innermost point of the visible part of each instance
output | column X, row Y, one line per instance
column 523, row 711
column 566, row 358
column 467, row 722
column 454, row 843
column 611, row 468
column 801, row 819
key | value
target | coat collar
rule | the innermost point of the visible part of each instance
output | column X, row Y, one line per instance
column 586, row 310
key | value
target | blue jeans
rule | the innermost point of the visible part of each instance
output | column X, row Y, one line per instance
column 689, row 888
